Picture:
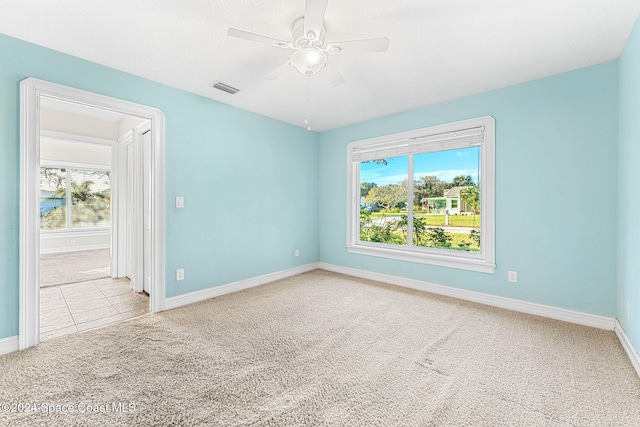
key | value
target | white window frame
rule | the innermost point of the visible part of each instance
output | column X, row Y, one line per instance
column 68, row 166
column 484, row 261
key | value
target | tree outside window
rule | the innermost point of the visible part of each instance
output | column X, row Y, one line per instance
column 425, row 195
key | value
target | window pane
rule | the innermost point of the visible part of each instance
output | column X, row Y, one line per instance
column 383, row 200
column 90, row 197
column 447, row 199
column 53, row 198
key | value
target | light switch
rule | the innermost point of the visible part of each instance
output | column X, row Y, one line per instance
column 179, row 202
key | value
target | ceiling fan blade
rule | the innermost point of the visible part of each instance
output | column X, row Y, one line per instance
column 278, row 71
column 314, row 18
column 380, row 44
column 240, row 34
column 334, row 77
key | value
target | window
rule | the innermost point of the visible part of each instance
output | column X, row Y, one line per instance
column 439, row 180
column 74, row 198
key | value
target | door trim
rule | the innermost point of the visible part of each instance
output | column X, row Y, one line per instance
column 127, row 187
column 119, row 162
column 31, row 91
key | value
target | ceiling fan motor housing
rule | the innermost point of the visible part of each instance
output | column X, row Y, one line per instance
column 300, row 39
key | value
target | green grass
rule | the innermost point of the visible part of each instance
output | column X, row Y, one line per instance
column 454, row 220
column 375, row 215
column 438, row 220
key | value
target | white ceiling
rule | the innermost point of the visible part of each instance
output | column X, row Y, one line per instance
column 439, row 49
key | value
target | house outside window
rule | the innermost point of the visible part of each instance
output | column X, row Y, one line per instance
column 438, row 179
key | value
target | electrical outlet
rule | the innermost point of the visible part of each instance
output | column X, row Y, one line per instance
column 180, row 274
column 512, row 276
column 73, row 242
column 297, row 252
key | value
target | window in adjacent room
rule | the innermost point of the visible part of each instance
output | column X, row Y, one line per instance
column 439, row 180
column 74, row 198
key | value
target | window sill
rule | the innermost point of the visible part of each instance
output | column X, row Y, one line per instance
column 478, row 265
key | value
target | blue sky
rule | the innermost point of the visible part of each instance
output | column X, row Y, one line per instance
column 445, row 165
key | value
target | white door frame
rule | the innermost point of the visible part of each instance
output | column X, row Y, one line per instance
column 145, row 147
column 118, row 204
column 31, row 91
column 127, row 166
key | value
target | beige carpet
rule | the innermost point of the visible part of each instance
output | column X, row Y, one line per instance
column 72, row 267
column 326, row 349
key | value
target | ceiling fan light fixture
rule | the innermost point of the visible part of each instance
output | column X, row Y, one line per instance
column 309, row 53
column 308, row 61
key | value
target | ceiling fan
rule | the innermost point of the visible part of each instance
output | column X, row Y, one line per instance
column 310, row 54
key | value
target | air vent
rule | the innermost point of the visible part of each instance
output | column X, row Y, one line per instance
column 225, row 88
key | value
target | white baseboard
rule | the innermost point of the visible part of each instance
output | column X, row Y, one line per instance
column 9, row 344
column 563, row 314
column 204, row 294
column 633, row 354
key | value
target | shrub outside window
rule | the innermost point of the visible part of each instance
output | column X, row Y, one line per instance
column 439, row 180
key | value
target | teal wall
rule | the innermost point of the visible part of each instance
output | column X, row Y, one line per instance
column 556, row 179
column 250, row 183
column 628, row 192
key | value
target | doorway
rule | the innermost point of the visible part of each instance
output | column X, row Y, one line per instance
column 148, row 249
column 80, row 288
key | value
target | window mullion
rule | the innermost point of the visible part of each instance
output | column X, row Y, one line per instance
column 68, row 198
column 410, row 202
column 355, row 202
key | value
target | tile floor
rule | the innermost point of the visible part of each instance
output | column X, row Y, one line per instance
column 75, row 307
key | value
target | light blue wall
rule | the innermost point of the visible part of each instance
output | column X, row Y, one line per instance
column 628, row 191
column 556, row 176
column 556, row 201
column 250, row 183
